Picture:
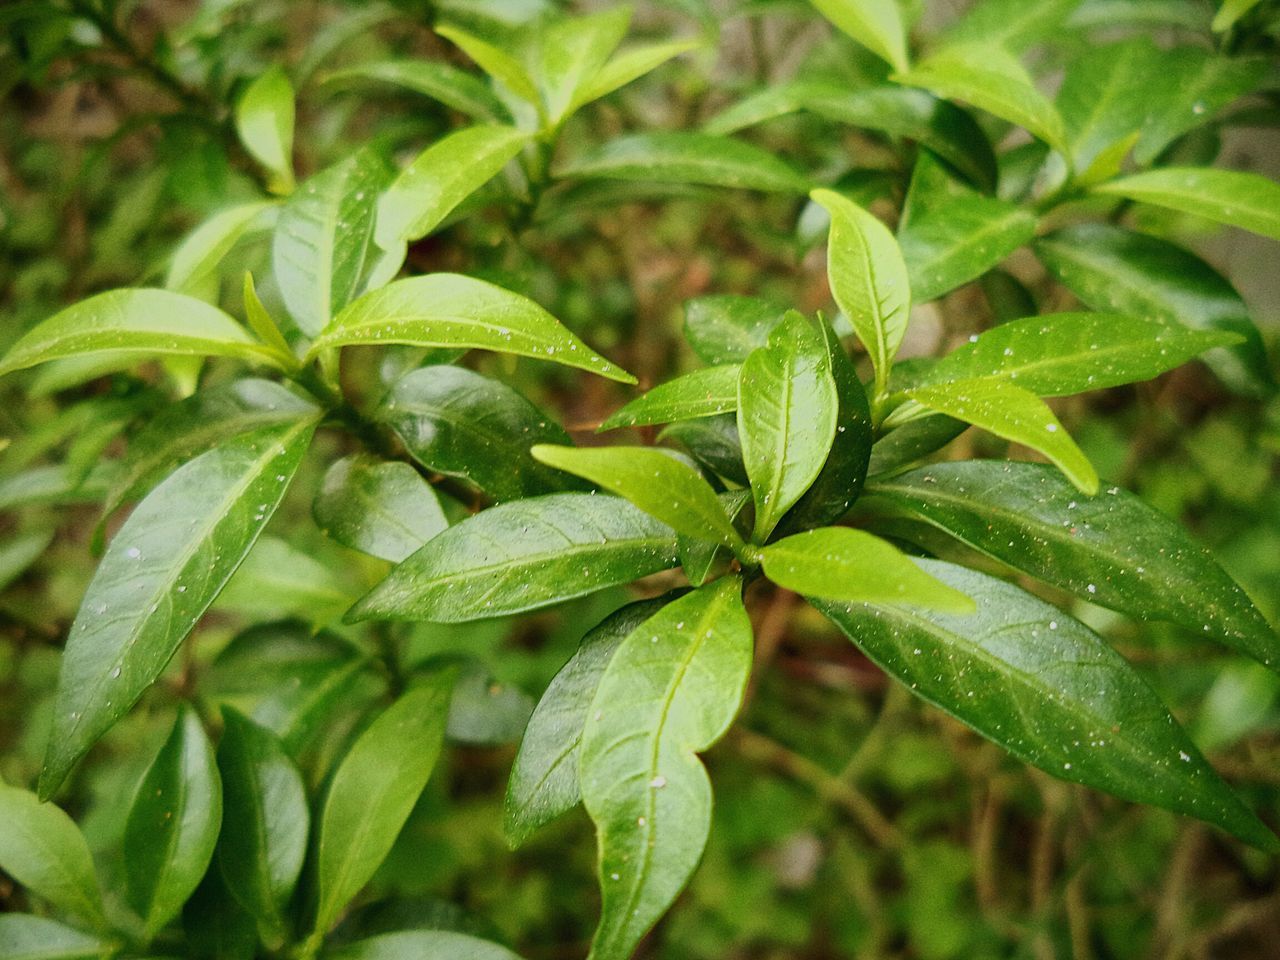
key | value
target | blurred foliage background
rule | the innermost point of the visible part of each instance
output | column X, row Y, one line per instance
column 851, row 820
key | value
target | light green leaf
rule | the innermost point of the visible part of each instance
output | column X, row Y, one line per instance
column 876, row 24
column 702, row 393
column 1014, row 25
column 20, row 551
column 787, row 411
column 725, row 328
column 1015, row 414
column 698, row 557
column 173, row 824
column 27, row 937
column 133, row 322
column 453, row 87
column 264, row 325
column 571, row 52
column 43, row 850
column 374, row 790
column 278, row 580
column 205, row 247
column 1042, row 685
column 423, row 945
column 631, row 64
column 264, row 120
column 1231, row 197
column 669, row 692
column 450, row 310
column 1230, row 12
column 958, row 240
column 520, row 556
column 380, row 507
column 655, row 481
column 500, row 65
column 441, row 177
column 165, row 566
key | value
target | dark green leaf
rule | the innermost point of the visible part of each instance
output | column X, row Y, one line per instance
column 702, row 393
column 453, row 87
column 423, row 945
column 1009, row 298
column 912, row 441
column 724, row 328
column 960, row 239
column 43, row 850
column 713, row 442
column 25, row 937
column 380, row 507
column 215, row 925
column 1237, row 199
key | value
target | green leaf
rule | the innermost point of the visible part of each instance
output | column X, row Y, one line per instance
column 484, row 711
column 958, row 240
column 912, row 441
column 441, row 177
column 265, row 819
column 655, row 481
column 380, row 507
column 686, row 157
column 1048, row 690
column 205, row 247
column 453, row 87
column 1009, row 297
column 1065, row 353
column 876, row 24
column 423, row 945
column 853, row 566
column 1111, row 549
column 571, row 53
column 698, row 557
column 20, row 551
column 868, row 279
column 1097, row 101
column 43, row 850
column 669, row 692
column 1015, row 414
column 450, row 310
column 26, row 937
column 322, row 248
column 462, row 424
column 264, row 120
column 173, row 824
column 713, row 442
column 702, row 393
column 216, row 927
column 1110, row 268
column 132, row 322
column 631, row 64
column 1245, row 200
column 280, row 580
column 264, row 325
column 1012, row 24
column 165, row 566
column 374, row 791
column 520, row 556
column 993, row 80
column 1230, row 12
column 497, row 63
column 725, row 328
column 787, row 412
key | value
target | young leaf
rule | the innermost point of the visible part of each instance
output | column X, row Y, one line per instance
column 43, row 850
column 787, row 411
column 1067, row 353
column 27, row 937
column 497, row 63
column 853, row 566
column 134, row 322
column 1015, row 414
column 1111, row 549
column 264, row 120
column 322, row 248
column 724, row 328
column 454, row 88
column 463, row 424
column 422, row 945
column 1231, row 197
column 876, row 24
column 655, row 481
column 380, row 507
column 544, row 777
column 1110, row 268
column 264, row 325
column 451, row 310
column 520, row 556
column 1012, row 24
column 173, row 824
column 960, row 239
column 571, row 52
column 670, row 691
column 374, row 790
column 868, row 280
column 163, row 569
column 630, row 64
column 684, row 157
column 1051, row 692
column 442, row 176
column 702, row 393
column 993, row 80
column 206, row 246
column 265, row 820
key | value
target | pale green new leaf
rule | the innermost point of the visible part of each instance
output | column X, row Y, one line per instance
column 570, row 54
column 702, row 393
column 1231, row 197
column 43, row 850
column 876, row 24
column 453, row 87
column 422, row 945
column 631, row 64
column 499, row 64
column 264, row 120
column 205, row 247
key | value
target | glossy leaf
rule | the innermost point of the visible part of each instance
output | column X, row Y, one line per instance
column 702, row 393
column 451, row 310
column 1110, row 268
column 380, row 507
column 1015, row 414
column 265, row 819
column 423, row 945
column 441, row 177
column 43, row 850
column 868, row 279
column 669, row 692
column 655, row 481
column 787, row 413
column 264, row 325
column 496, row 62
column 27, row 937
column 134, row 322
column 911, row 442
column 876, row 24
column 454, row 88
column 685, row 157
column 1111, row 549
column 264, row 120
column 725, row 328
column 571, row 53
column 322, row 248
column 159, row 575
column 698, row 557
column 205, row 247
column 713, row 442
column 374, row 791
column 1231, row 197
column 1048, row 690
column 173, row 824
column 630, row 64
column 462, row 424
column 960, row 239
column 520, row 556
